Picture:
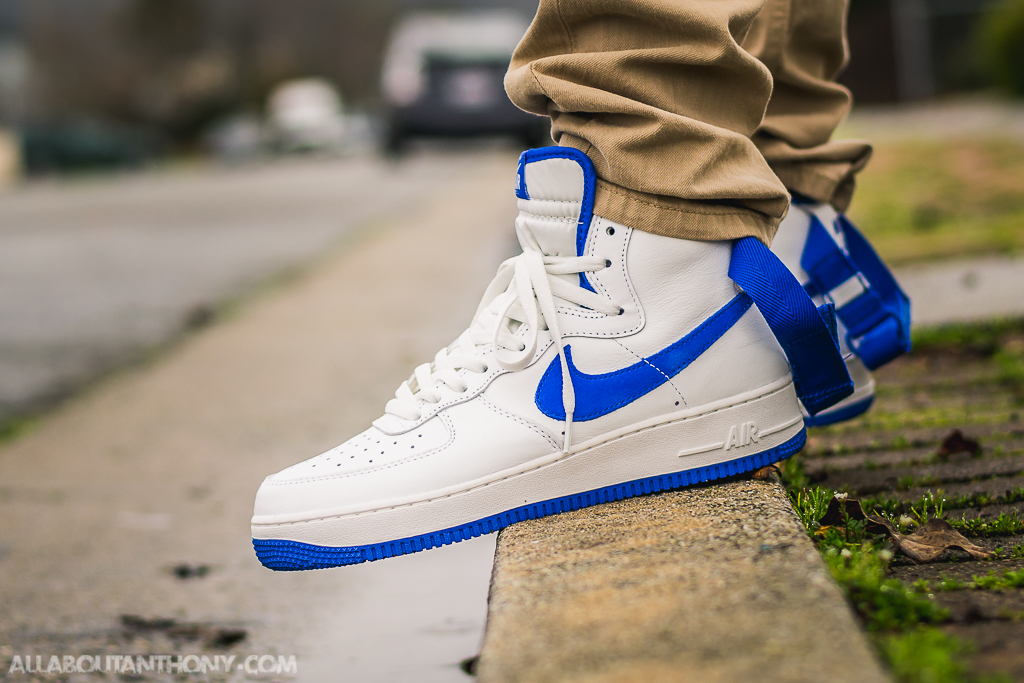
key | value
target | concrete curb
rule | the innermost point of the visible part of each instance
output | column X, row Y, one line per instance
column 718, row 583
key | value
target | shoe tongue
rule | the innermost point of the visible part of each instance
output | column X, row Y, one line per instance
column 554, row 186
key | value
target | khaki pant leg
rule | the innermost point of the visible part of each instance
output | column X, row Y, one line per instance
column 803, row 44
column 664, row 100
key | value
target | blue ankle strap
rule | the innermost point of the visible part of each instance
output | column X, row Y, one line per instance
column 867, row 298
column 806, row 333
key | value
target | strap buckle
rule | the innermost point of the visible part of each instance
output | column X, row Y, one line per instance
column 868, row 300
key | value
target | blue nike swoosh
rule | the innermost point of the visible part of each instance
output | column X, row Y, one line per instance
column 599, row 395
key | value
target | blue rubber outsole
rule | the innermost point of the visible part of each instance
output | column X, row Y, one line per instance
column 848, row 413
column 281, row 555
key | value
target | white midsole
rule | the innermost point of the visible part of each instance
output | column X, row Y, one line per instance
column 714, row 434
column 533, row 464
column 863, row 387
column 860, row 393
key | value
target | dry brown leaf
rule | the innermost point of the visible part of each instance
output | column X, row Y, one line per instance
column 765, row 473
column 931, row 538
column 841, row 509
column 924, row 545
column 955, row 442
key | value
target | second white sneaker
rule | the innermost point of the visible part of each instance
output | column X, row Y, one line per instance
column 603, row 362
column 835, row 264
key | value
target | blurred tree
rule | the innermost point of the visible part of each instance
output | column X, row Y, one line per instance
column 1000, row 40
column 179, row 64
column 165, row 29
column 342, row 41
column 182, row 78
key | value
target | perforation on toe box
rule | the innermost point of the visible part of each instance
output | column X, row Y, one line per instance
column 371, row 450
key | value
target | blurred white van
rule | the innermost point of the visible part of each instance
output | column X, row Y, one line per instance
column 443, row 75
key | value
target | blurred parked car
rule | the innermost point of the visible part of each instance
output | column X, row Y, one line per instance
column 237, row 137
column 443, row 76
column 306, row 114
column 87, row 145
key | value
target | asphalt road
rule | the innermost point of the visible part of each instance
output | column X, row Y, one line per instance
column 124, row 513
column 97, row 271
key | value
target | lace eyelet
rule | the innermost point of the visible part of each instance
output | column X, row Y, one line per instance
column 610, row 231
column 607, row 263
column 621, row 310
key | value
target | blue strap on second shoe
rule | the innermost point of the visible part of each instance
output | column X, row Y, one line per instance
column 806, row 333
column 877, row 317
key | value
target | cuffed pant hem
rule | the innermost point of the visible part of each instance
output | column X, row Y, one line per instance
column 680, row 218
column 835, row 187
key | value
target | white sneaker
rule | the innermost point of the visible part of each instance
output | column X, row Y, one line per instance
column 674, row 379
column 835, row 264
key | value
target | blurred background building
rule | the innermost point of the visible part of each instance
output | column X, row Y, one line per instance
column 117, row 82
column 916, row 49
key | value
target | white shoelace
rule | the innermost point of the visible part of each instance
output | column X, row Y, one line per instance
column 523, row 292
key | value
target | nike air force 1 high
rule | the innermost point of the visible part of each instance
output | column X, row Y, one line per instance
column 603, row 362
column 835, row 264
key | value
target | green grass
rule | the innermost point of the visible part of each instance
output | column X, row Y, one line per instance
column 1015, row 552
column 794, row 478
column 983, row 339
column 949, row 584
column 858, row 561
column 935, row 417
column 1011, row 371
column 810, row 504
column 925, row 200
column 15, row 427
column 935, row 505
column 884, row 604
column 891, row 507
column 996, row 581
column 1000, row 340
column 925, row 655
column 907, row 482
column 993, row 581
column 1003, row 525
column 902, row 620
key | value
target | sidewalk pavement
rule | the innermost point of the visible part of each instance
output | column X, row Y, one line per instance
column 959, row 291
column 966, row 116
column 158, row 466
